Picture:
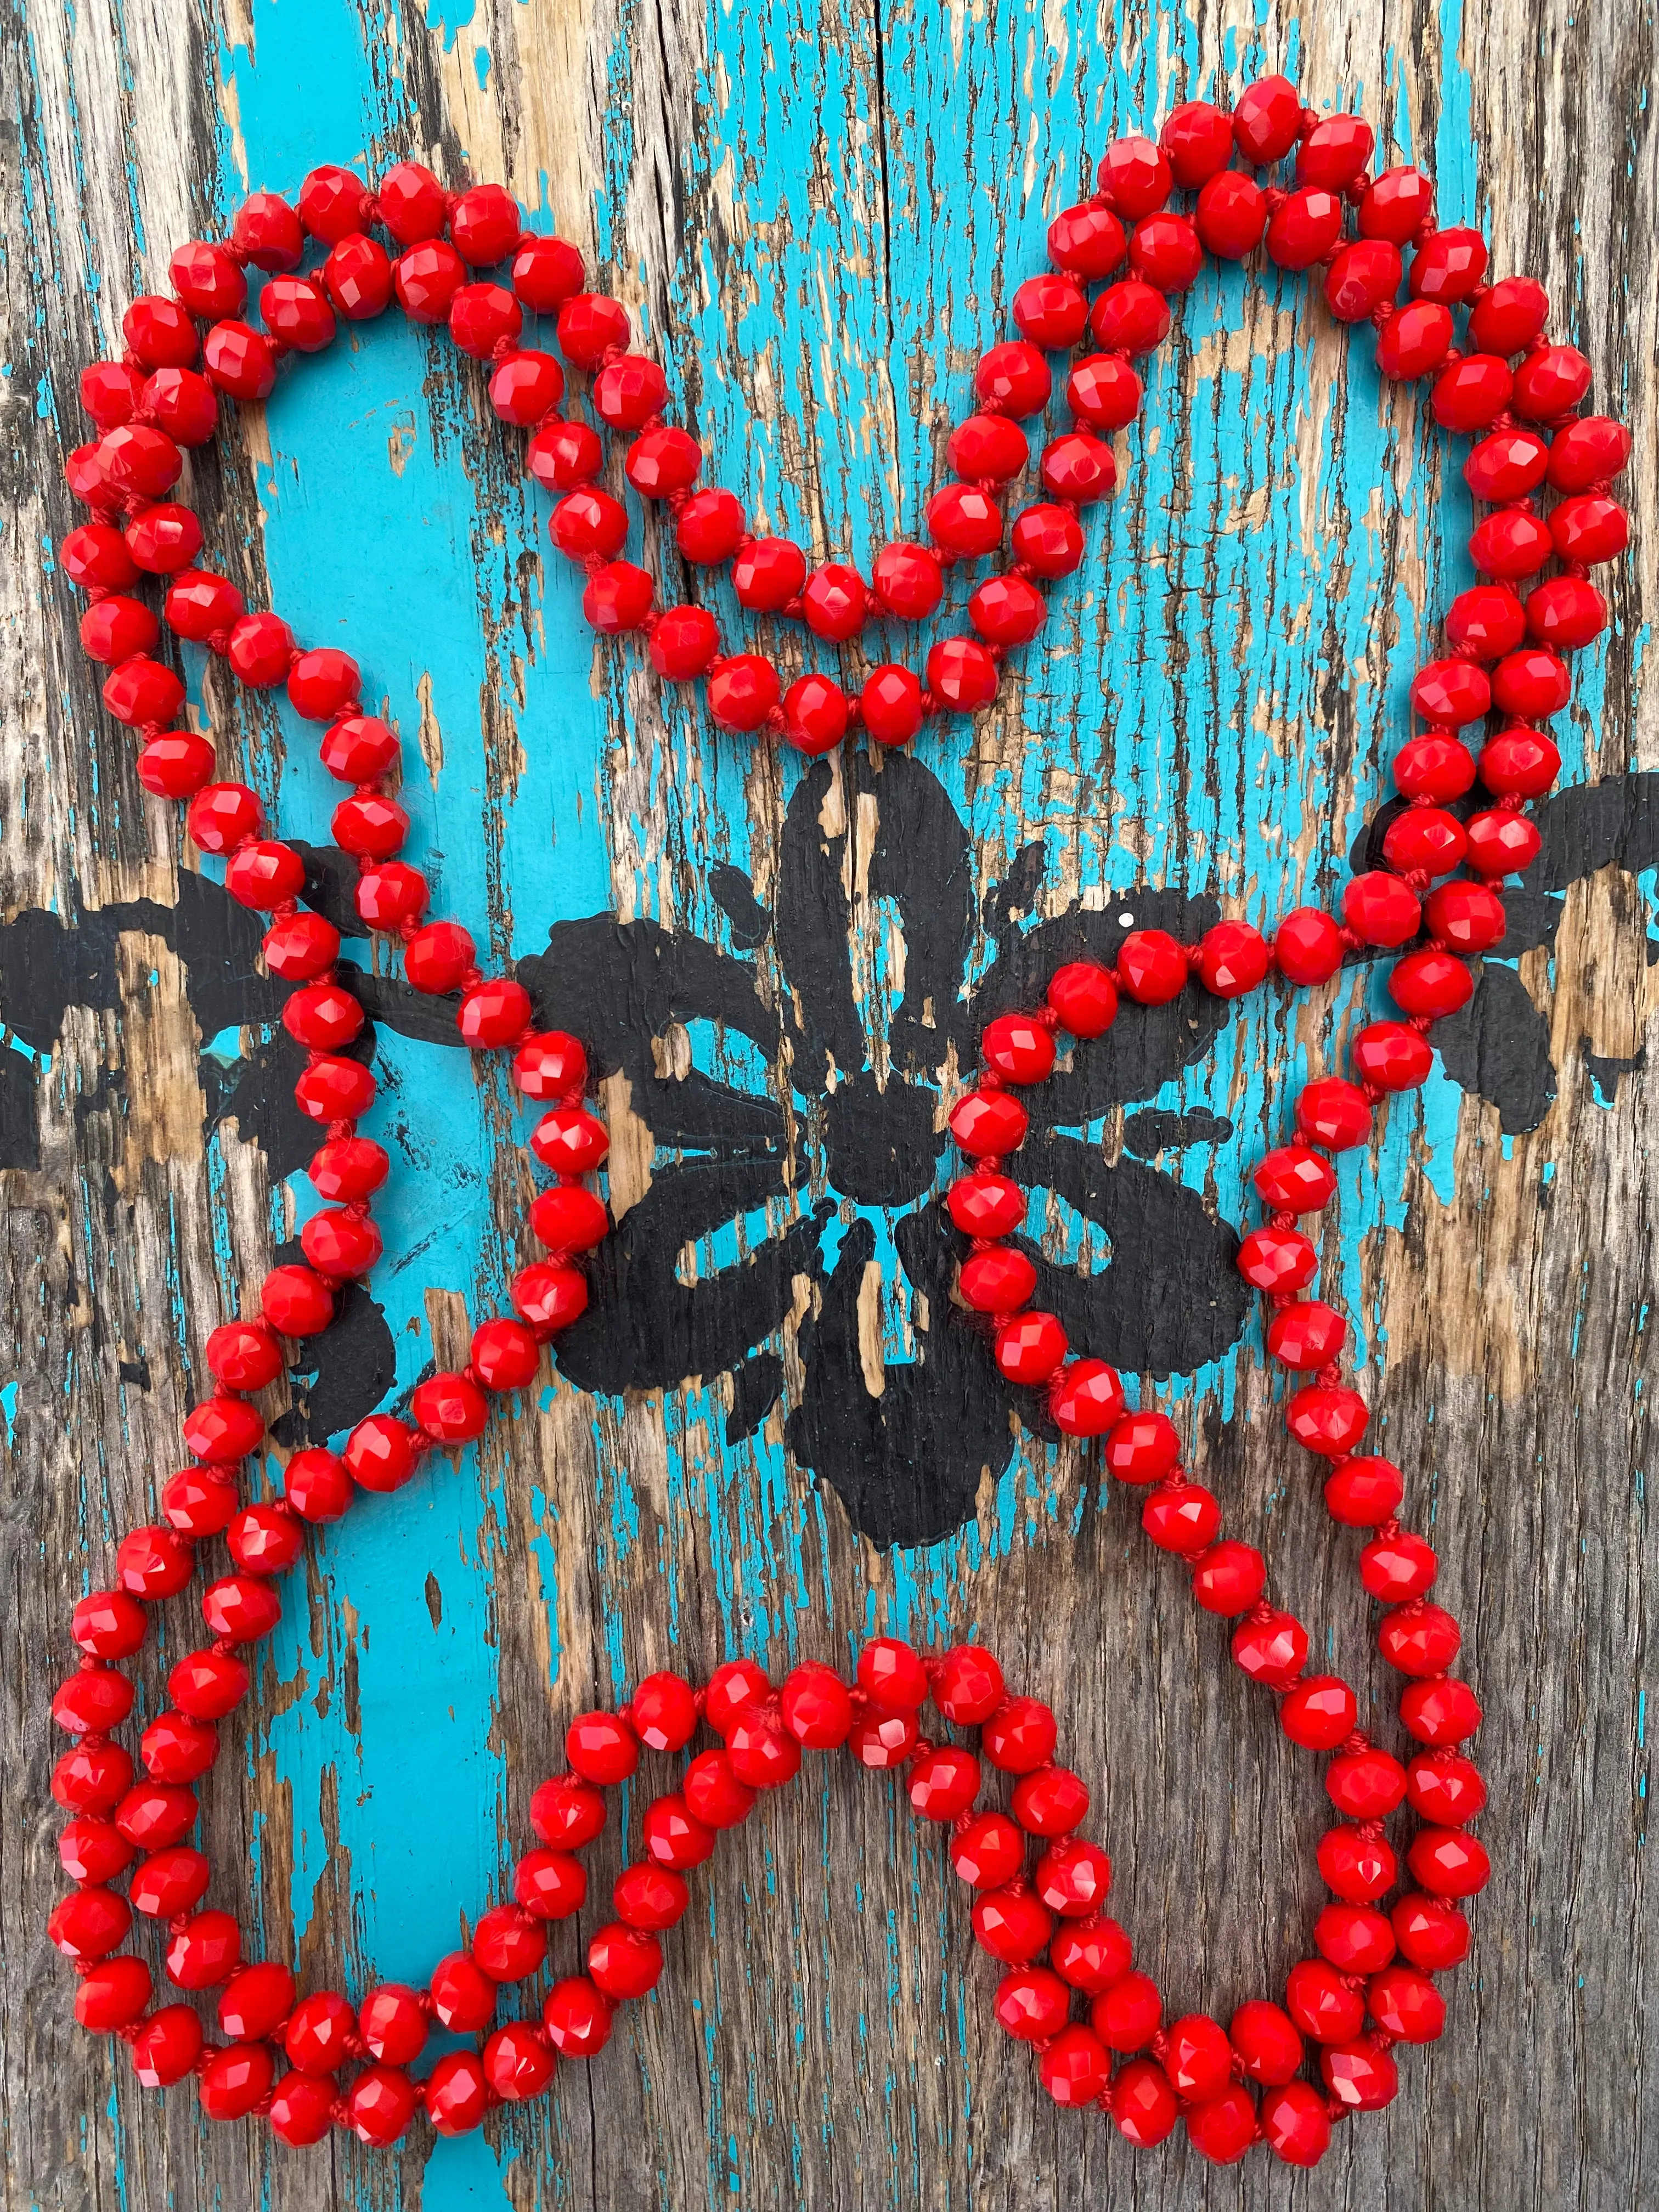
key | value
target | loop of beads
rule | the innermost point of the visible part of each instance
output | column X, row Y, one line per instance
column 1518, row 395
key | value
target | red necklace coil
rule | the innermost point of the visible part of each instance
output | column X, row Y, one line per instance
column 1368, row 1985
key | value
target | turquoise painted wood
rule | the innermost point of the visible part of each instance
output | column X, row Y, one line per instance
column 853, row 202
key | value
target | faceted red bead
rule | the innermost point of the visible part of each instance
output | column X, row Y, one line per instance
column 908, row 581
column 1427, row 842
column 1143, row 1448
column 1013, row 379
column 1134, row 177
column 517, row 2061
column 1333, row 1114
column 1448, row 1862
column 426, row 279
column 1273, row 1650
column 1086, row 239
column 890, row 1674
column 155, row 1814
column 1265, row 2037
column 1103, row 392
column 713, row 1792
column 153, row 1563
column 302, row 2109
column 142, row 692
column 987, row 446
column 815, row 715
column 109, row 1623
column 380, row 2104
column 1550, row 382
column 508, row 1944
column 463, row 1995
column 1365, row 1784
column 175, row 765
column 1296, row 2125
column 1031, row 2004
column 1506, row 466
column 1151, row 966
column 112, row 1994
column 1184, row 1520
column 1228, row 1578
column 965, row 520
column 1166, row 251
column 999, row 1280
column 625, row 1962
column 1049, row 539
column 1503, row 843
column 241, row 1609
column 764, row 1756
column 357, row 276
column 629, row 390
column 1472, row 393
column 1589, row 528
column 968, row 1684
column 1196, row 141
column 1010, row 1925
column 1590, row 451
column 1405, row 2003
column 1087, row 1398
column 709, row 526
column 1232, row 215
column 1320, row 2002
column 1305, row 228
column 1391, row 1056
column 206, row 1685
column 1532, row 683
column 1433, row 768
column 1019, row 1735
column 240, row 361
column 1357, row 1939
column 296, row 1301
column 1445, row 1788
column 1072, row 1877
column 208, row 279
column 1142, row 2104
column 1006, row 610
column 550, row 1884
column 576, row 2017
column 1362, row 278
column 589, row 327
column 943, row 1784
column 1277, row 1260
column 1129, row 318
column 1233, row 957
column 663, row 462
column 1029, row 1347
column 601, row 1748
column 743, row 690
column 1076, row 2067
column 265, row 1539
column 1566, row 613
column 1126, row 2013
column 1361, row 2076
column 1512, row 543
column 92, row 1779
column 1393, row 1570
column 1085, row 997
column 261, row 649
column 546, row 272
column 458, row 2094
column 1431, row 1934
column 199, row 1502
column 166, row 2047
column 205, row 1951
column 1356, row 1866
column 256, row 2000
column 734, row 1687
column 298, row 311
column 1089, row 1955
column 89, row 1923
column 1267, row 119
column 235, row 2079
column 1222, row 2128
column 989, row 1123
column 1327, row 1421
column 618, row 597
column 674, row 1837
column 891, row 705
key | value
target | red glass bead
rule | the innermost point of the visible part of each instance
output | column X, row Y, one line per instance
column 164, row 540
column 1266, row 120
column 96, row 556
column 1589, row 528
column 662, row 462
column 381, row 1454
column 267, row 232
column 1085, row 997
column 1196, row 141
column 260, row 648
column 1335, row 152
column 1010, row 1925
column 1532, row 683
column 1472, row 393
column 908, row 581
column 589, row 327
column 1303, row 227
column 256, row 2000
column 683, row 641
column 508, row 1944
column 1329, row 1422
column 1134, row 177
column 1277, row 1260
column 618, row 597
column 1357, row 1939
column 815, row 715
column 625, row 1962
column 1142, row 2104
column 1431, row 983
column 564, row 457
column 89, row 1923
column 1051, row 1801
column 602, row 1748
column 987, row 446
column 965, row 520
column 989, row 1123
column 302, row 2109
column 743, row 691
column 1566, row 613
column 1129, row 318
column 206, row 1685
column 1031, row 2004
column 569, row 1220
column 297, row 310
column 1445, row 1788
column 1434, row 768
column 1362, row 278
column 1233, row 957
column 890, row 1674
column 550, row 1884
column 205, row 1951
column 1449, row 265
column 175, row 765
column 1273, row 1650
column 1075, row 2069
column 458, row 2094
column 1365, row 1784
column 987, row 1852
column 1019, row 1735
column 1487, row 622
column 1550, row 382
column 235, row 2079
column 153, row 1815
column 1125, row 2015
column 997, row 1281
column 1591, row 451
column 764, row 1756
column 1431, row 1934
column 1361, row 2076
column 142, row 692
column 296, row 1301
column 714, row 1791
column 1229, row 1578
column 943, row 1784
column 967, row 1685
column 1012, row 378
column 1296, row 2125
column 1448, row 1862
column 1506, row 466
column 333, row 202
column 1395, row 1569
column 673, row 1835
column 265, row 1540
column 1047, row 539
column 116, row 628
column 1306, row 947
column 1151, row 966
column 891, row 705
column 1320, row 2002
column 647, row 1895
column 1265, row 2037
column 240, row 1609
column 709, row 526
column 109, row 1623
column 208, row 279
column 1405, row 2003
column 733, row 1688
column 1072, row 1876
column 1143, row 1448
column 1502, row 843
column 1029, row 1347
column 1166, row 251
column 1222, row 2128
column 112, row 1994
column 1006, row 610
column 1103, row 392
column 1086, row 239
column 1087, row 1398
column 1440, row 1712
column 1334, row 1114
column 427, row 279
column 166, row 2047
column 517, row 2061
column 1232, row 215
column 240, row 361
column 1452, row 692
column 576, row 2017
column 1184, row 1520
column 1089, row 1955
column 199, row 1502
column 1391, row 1056
column 1513, row 543
column 357, row 276
column 1354, row 1865
column 92, row 1779
column 1509, row 315
column 546, row 272
column 153, row 1563
column 817, row 1708
column 629, row 390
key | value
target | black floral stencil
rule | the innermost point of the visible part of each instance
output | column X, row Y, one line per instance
column 842, row 1122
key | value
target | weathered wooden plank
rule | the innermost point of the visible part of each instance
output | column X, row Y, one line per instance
column 820, row 215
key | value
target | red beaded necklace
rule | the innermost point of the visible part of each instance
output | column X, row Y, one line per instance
column 1368, row 1984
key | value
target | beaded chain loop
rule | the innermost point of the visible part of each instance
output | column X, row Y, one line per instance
column 1039, row 1885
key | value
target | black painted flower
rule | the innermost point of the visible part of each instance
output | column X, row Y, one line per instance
column 840, row 1149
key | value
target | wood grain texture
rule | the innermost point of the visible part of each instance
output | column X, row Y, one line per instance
column 819, row 215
